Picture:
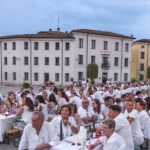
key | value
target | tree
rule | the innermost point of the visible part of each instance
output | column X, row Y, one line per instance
column 92, row 71
column 148, row 72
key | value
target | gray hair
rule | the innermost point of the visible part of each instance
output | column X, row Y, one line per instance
column 39, row 114
column 110, row 123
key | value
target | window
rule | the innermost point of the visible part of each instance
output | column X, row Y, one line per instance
column 14, row 60
column 80, row 43
column 57, row 77
column 116, row 46
column 14, row 75
column 80, row 76
column 26, row 76
column 5, row 46
column 92, row 59
column 46, row 77
column 125, row 76
column 142, row 55
column 6, row 75
column 5, row 60
column 46, row 60
column 126, row 47
column 142, row 67
column 13, row 45
column 57, row 46
column 142, row 46
column 36, row 60
column 80, row 59
column 93, row 44
column 141, row 77
column 26, row 45
column 116, row 61
column 126, row 62
column 36, row 45
column 36, row 78
column 57, row 61
column 67, row 61
column 46, row 45
column 67, row 45
column 115, row 76
column 66, row 77
column 105, row 45
column 26, row 61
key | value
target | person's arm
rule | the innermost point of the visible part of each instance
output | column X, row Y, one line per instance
column 86, row 119
column 20, row 111
column 92, row 146
column 42, row 147
column 130, row 119
column 3, row 105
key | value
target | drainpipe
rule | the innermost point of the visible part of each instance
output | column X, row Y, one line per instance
column 62, row 65
column 30, row 61
column 147, row 58
column 1, row 61
column 121, row 59
column 86, row 53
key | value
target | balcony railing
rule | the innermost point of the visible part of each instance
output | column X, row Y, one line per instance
column 105, row 65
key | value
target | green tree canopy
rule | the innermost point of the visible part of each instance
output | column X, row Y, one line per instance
column 92, row 71
column 148, row 72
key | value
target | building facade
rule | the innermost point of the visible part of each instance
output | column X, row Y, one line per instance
column 57, row 56
column 140, row 59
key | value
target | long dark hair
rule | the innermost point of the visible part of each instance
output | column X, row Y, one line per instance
column 29, row 104
column 52, row 98
column 40, row 98
column 98, row 106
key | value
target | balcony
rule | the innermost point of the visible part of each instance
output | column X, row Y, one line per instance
column 105, row 65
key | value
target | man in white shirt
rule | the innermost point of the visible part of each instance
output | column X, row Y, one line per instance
column 86, row 113
column 132, row 116
column 123, row 127
column 105, row 106
column 39, row 135
column 110, row 140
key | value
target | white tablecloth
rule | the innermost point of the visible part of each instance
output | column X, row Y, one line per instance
column 5, row 124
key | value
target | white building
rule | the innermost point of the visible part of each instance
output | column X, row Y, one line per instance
column 58, row 56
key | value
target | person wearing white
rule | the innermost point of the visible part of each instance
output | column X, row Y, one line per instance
column 64, row 125
column 86, row 113
column 132, row 115
column 110, row 140
column 144, row 118
column 123, row 127
column 38, row 135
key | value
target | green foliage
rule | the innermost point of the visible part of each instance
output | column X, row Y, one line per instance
column 148, row 72
column 92, row 71
column 26, row 85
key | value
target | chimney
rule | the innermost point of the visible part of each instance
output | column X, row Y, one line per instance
column 50, row 29
column 58, row 29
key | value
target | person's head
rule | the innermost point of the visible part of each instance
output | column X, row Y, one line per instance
column 140, row 105
column 11, row 96
column 73, row 108
column 96, row 105
column 129, row 105
column 60, row 92
column 123, row 97
column 52, row 98
column 139, row 94
column 118, row 101
column 65, row 111
column 108, row 100
column 37, row 119
column 27, row 101
column 108, row 127
column 23, row 95
column 55, row 90
column 85, row 103
column 114, row 111
column 39, row 99
column 42, row 88
column 44, row 95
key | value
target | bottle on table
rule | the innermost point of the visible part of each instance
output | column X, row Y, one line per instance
column 93, row 131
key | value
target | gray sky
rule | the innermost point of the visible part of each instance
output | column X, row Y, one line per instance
column 119, row 16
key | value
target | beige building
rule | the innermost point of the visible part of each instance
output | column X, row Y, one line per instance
column 140, row 59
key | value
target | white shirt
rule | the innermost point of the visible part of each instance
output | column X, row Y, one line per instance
column 115, row 142
column 123, row 128
column 76, row 100
column 135, row 126
column 104, row 109
column 144, row 119
column 66, row 129
column 30, row 140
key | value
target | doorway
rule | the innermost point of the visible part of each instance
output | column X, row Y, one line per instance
column 104, row 78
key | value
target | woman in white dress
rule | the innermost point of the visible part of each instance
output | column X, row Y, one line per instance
column 64, row 124
column 144, row 118
column 42, row 106
column 25, row 111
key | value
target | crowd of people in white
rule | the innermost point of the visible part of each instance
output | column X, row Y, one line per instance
column 54, row 114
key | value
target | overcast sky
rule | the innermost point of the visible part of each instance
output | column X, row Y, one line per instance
column 31, row 16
